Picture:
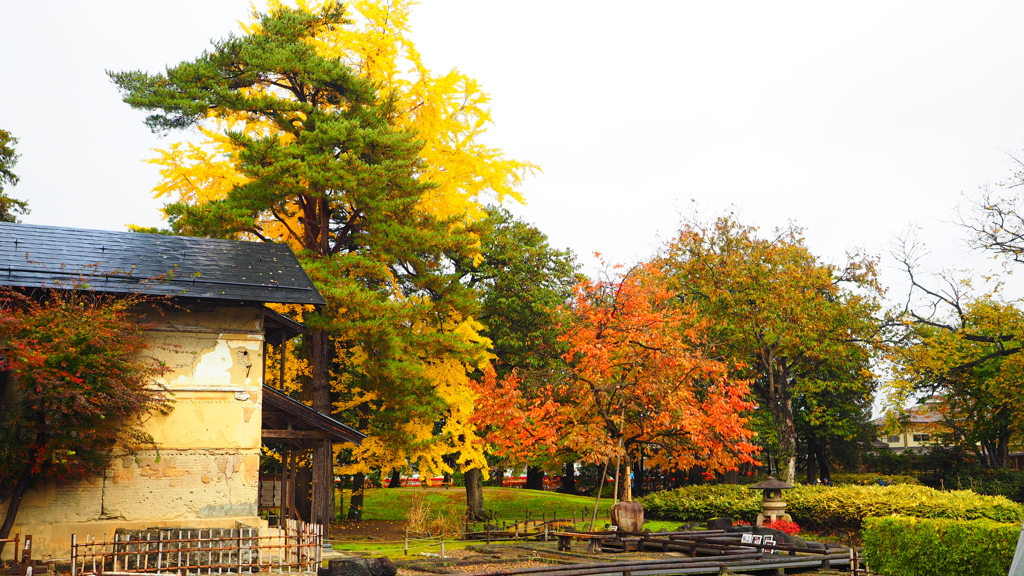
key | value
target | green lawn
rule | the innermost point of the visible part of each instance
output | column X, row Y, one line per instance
column 504, row 504
column 507, row 504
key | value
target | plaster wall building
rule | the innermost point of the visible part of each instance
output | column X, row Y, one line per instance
column 210, row 329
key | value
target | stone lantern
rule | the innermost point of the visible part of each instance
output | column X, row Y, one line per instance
column 772, row 507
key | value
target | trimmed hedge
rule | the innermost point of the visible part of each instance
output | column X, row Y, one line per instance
column 1002, row 482
column 865, row 479
column 901, row 546
column 830, row 506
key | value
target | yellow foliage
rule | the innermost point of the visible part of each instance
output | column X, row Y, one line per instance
column 449, row 113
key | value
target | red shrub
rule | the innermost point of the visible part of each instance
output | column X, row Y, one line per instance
column 783, row 525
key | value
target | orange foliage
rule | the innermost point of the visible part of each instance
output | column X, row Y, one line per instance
column 639, row 376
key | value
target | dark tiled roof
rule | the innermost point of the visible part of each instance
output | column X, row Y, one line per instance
column 32, row 256
column 282, row 409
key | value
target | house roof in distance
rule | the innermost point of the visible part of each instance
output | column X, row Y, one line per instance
column 182, row 266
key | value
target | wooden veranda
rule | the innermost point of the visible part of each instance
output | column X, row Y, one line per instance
column 295, row 429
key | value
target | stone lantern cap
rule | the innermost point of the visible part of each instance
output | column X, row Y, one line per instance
column 771, row 483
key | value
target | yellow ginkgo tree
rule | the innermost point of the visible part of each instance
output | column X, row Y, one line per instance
column 320, row 127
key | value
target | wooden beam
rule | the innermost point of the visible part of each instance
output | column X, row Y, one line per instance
column 295, row 434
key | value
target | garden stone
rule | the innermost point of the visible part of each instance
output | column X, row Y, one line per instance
column 349, row 567
column 628, row 516
column 719, row 523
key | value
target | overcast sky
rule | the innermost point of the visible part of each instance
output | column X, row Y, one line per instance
column 851, row 119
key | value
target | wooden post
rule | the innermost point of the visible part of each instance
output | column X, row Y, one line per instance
column 25, row 557
column 600, row 488
column 406, row 541
column 442, row 545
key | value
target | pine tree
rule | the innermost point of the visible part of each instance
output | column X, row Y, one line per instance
column 319, row 164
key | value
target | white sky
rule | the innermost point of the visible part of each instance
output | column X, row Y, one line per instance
column 852, row 119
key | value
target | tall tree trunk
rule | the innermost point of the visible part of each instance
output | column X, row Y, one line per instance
column 641, row 475
column 781, row 410
column 396, row 479
column 321, row 355
column 303, row 493
column 355, row 503
column 13, row 504
column 475, row 495
column 626, row 484
column 696, row 476
column 497, row 476
column 568, row 477
column 534, row 478
column 821, row 455
column 812, row 463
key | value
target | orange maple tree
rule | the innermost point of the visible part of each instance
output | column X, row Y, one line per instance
column 639, row 375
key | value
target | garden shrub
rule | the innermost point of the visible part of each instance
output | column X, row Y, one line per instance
column 699, row 503
column 831, row 506
column 1003, row 482
column 868, row 478
column 902, row 546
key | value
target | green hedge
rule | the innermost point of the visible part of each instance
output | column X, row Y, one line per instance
column 866, row 479
column 1002, row 482
column 901, row 546
column 830, row 506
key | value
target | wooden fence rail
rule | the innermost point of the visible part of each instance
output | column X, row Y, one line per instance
column 295, row 547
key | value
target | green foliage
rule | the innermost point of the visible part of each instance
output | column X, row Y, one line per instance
column 698, row 503
column 800, row 329
column 838, row 506
column 868, row 479
column 900, row 546
column 890, row 462
column 522, row 282
column 1000, row 482
column 9, row 207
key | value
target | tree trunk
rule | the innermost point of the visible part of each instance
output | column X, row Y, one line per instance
column 12, row 509
column 497, row 476
column 696, row 476
column 781, row 410
column 640, row 473
column 534, row 478
column 355, row 505
column 821, row 455
column 626, row 485
column 475, row 495
column 396, row 479
column 812, row 464
column 321, row 354
column 568, row 477
column 303, row 492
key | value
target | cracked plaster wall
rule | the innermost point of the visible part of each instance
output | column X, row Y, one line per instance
column 205, row 473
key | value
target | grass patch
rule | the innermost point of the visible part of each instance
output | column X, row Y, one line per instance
column 509, row 504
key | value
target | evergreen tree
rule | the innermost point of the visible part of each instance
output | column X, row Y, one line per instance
column 9, row 207
column 322, row 168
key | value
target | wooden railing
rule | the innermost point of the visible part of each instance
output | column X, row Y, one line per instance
column 293, row 547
